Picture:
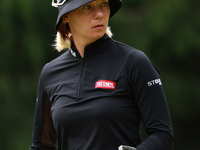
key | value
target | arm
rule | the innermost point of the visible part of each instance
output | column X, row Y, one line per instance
column 150, row 97
column 44, row 137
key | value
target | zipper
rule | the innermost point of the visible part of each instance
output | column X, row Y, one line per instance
column 81, row 77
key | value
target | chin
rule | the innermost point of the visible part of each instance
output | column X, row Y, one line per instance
column 97, row 35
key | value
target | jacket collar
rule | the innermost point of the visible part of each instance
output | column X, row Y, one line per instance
column 94, row 48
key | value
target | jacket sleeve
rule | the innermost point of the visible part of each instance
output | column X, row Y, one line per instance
column 44, row 135
column 149, row 94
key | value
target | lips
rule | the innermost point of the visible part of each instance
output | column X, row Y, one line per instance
column 98, row 26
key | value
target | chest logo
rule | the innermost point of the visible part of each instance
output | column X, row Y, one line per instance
column 105, row 84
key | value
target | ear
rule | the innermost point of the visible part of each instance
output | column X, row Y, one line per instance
column 65, row 18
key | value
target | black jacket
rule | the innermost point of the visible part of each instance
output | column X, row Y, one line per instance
column 98, row 102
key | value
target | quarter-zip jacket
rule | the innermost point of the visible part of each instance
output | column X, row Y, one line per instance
column 98, row 102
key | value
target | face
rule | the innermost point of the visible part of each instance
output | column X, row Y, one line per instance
column 89, row 22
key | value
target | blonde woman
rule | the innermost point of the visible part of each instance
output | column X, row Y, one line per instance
column 96, row 95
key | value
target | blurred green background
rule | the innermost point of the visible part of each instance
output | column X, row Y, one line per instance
column 168, row 31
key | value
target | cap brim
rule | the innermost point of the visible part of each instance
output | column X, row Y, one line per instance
column 71, row 5
column 115, row 5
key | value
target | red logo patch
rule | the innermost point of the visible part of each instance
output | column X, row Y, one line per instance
column 105, row 84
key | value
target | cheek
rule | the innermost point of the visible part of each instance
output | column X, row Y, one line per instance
column 74, row 23
column 107, row 15
column 80, row 27
column 81, row 22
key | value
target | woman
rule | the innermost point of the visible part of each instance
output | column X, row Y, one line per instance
column 95, row 96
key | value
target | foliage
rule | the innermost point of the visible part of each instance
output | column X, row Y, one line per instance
column 167, row 31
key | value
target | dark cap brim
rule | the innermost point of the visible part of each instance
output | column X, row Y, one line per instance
column 71, row 5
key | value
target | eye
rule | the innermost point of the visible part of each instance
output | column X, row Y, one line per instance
column 87, row 7
column 104, row 4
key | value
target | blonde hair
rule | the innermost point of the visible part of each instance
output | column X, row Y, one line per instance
column 64, row 37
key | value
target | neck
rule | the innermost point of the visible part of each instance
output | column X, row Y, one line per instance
column 81, row 44
column 80, row 48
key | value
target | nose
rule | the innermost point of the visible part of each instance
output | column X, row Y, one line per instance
column 98, row 13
